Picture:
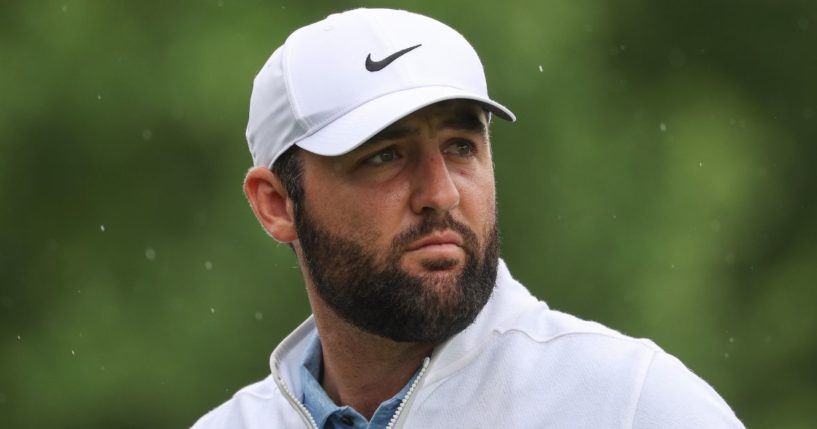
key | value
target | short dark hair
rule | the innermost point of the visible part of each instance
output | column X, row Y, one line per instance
column 289, row 169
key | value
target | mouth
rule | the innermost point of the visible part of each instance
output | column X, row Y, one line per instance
column 440, row 240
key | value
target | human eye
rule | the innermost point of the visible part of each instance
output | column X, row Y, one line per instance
column 461, row 147
column 381, row 157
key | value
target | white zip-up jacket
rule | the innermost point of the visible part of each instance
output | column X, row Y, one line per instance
column 519, row 365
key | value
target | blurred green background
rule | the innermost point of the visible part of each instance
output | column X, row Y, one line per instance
column 659, row 180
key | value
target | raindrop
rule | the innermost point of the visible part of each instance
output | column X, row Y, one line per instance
column 259, row 315
column 726, row 355
column 147, row 134
column 20, row 338
column 99, row 96
column 672, row 266
column 663, row 127
column 212, row 310
column 208, row 265
column 700, row 164
column 73, row 353
column 64, row 8
column 731, row 339
column 102, row 228
column 541, row 70
column 150, row 254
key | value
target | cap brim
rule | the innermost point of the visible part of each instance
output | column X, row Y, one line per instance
column 360, row 124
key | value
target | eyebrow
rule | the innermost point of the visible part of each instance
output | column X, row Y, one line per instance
column 463, row 120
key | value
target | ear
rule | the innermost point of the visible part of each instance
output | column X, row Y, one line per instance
column 270, row 203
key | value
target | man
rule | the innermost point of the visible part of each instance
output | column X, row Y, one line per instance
column 369, row 136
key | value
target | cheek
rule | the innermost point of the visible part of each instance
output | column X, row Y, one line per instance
column 487, row 209
column 361, row 215
column 478, row 192
column 342, row 218
column 378, row 215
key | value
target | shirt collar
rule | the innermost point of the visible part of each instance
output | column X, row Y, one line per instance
column 321, row 406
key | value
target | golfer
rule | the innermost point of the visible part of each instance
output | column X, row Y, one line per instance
column 369, row 134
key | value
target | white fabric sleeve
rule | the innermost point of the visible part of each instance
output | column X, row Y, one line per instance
column 672, row 397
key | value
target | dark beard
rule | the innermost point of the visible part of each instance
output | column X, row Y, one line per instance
column 387, row 301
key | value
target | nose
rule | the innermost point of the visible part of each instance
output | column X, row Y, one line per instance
column 432, row 186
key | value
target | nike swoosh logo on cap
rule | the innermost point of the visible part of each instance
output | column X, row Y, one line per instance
column 374, row 66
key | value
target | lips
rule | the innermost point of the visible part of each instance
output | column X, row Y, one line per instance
column 437, row 239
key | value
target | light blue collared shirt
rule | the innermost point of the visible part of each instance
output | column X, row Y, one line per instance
column 330, row 416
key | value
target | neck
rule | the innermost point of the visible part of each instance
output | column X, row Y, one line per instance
column 360, row 369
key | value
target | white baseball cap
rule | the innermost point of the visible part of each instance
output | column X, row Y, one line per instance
column 336, row 83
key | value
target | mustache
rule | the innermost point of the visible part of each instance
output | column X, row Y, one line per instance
column 433, row 223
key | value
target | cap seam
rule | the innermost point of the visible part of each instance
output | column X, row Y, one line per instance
column 294, row 108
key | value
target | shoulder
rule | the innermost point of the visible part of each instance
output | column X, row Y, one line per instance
column 597, row 362
column 672, row 396
column 516, row 314
column 664, row 392
column 591, row 340
column 589, row 356
column 256, row 405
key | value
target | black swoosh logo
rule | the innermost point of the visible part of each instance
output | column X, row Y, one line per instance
column 374, row 66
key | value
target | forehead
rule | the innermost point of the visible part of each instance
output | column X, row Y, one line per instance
column 445, row 112
column 463, row 115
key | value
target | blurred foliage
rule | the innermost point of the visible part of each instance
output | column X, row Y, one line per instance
column 657, row 180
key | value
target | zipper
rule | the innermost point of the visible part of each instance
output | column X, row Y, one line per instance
column 314, row 425
column 413, row 387
column 297, row 404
